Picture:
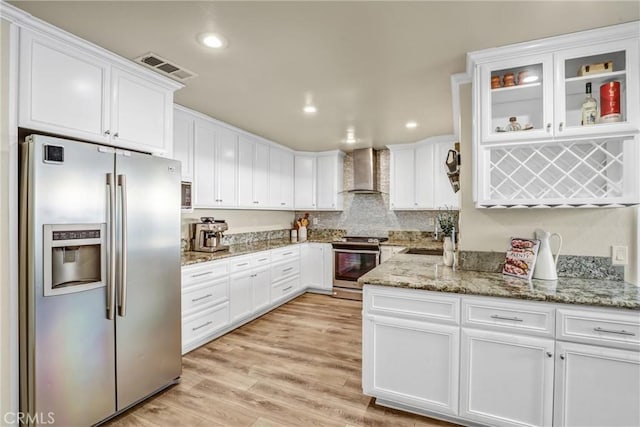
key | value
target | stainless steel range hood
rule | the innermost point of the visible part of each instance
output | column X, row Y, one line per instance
column 365, row 172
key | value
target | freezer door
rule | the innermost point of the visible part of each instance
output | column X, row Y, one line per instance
column 148, row 331
column 67, row 343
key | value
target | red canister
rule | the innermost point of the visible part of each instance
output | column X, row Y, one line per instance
column 610, row 102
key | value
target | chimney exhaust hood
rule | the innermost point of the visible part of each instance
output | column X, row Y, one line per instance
column 365, row 172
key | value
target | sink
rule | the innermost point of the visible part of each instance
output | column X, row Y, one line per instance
column 421, row 251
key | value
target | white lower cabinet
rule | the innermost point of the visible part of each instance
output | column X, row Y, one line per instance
column 316, row 266
column 506, row 379
column 261, row 285
column 499, row 362
column 596, row 386
column 414, row 362
column 241, row 295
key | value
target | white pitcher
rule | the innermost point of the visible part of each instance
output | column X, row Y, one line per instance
column 545, row 267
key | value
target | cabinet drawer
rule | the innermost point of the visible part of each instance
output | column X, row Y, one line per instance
column 284, row 288
column 285, row 254
column 207, row 271
column 286, row 269
column 210, row 293
column 240, row 263
column 260, row 259
column 413, row 304
column 204, row 323
column 601, row 328
column 528, row 319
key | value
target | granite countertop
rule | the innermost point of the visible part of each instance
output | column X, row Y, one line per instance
column 190, row 257
column 428, row 273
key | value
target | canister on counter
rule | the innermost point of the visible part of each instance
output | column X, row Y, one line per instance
column 610, row 102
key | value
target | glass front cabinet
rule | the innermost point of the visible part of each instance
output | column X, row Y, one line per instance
column 540, row 139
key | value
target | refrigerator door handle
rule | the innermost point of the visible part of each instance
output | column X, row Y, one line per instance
column 112, row 247
column 122, row 292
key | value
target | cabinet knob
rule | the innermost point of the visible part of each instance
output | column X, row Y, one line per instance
column 548, row 127
column 115, row 135
column 562, row 356
column 107, row 132
column 560, row 126
column 549, row 354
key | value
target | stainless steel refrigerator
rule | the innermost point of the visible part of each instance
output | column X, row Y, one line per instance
column 99, row 279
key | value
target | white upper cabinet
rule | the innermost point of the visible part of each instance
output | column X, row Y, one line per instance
column 531, row 146
column 280, row 178
column 329, row 181
column 305, row 181
column 183, row 135
column 318, row 180
column 215, row 156
column 253, row 173
column 80, row 91
column 419, row 176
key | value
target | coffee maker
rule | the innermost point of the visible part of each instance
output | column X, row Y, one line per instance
column 206, row 236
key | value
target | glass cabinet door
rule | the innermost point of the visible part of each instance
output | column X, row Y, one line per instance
column 611, row 70
column 517, row 99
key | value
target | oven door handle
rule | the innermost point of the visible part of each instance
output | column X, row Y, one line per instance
column 354, row 251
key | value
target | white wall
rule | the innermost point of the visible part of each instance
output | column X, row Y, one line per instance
column 243, row 221
column 585, row 231
column 8, row 236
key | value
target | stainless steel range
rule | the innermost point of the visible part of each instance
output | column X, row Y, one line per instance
column 353, row 256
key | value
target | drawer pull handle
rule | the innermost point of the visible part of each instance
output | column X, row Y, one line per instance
column 514, row 319
column 287, row 269
column 287, row 288
column 201, row 298
column 611, row 331
column 202, row 274
column 262, row 259
column 202, row 326
column 287, row 253
column 243, row 264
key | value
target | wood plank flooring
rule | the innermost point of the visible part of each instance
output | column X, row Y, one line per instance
column 299, row 365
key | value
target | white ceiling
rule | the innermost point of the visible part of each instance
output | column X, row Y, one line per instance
column 370, row 65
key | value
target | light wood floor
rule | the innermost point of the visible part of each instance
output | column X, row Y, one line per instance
column 299, row 365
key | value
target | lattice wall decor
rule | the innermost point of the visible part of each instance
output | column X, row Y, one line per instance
column 572, row 173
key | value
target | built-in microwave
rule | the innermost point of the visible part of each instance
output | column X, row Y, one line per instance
column 186, row 196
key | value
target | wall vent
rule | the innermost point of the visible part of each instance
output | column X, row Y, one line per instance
column 165, row 67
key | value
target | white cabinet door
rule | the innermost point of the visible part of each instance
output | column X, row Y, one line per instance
column 415, row 363
column 261, row 176
column 141, row 113
column 280, row 178
column 245, row 171
column 596, row 386
column 442, row 191
column 225, row 167
column 62, row 89
column 305, row 182
column 312, row 265
column 241, row 295
column 424, row 176
column 506, row 379
column 261, row 282
column 183, row 142
column 403, row 178
column 204, row 168
column 327, row 185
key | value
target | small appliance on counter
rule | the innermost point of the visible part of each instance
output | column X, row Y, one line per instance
column 206, row 236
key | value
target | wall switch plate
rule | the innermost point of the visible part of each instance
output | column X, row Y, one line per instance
column 619, row 255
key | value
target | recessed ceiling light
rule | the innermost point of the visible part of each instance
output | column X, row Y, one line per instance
column 214, row 41
column 310, row 109
column 411, row 125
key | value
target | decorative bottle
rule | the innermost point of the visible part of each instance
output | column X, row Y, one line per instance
column 589, row 108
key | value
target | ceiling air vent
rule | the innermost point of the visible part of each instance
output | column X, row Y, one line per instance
column 166, row 67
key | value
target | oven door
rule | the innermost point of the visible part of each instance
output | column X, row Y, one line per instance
column 349, row 265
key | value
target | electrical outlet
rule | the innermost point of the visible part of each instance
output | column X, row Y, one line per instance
column 619, row 255
column 315, row 220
